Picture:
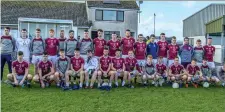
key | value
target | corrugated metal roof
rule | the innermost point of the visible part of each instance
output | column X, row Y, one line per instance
column 215, row 26
column 195, row 24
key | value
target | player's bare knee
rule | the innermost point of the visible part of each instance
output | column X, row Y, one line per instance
column 10, row 77
column 29, row 77
column 52, row 77
column 56, row 74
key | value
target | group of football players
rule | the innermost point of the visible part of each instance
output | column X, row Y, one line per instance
column 64, row 60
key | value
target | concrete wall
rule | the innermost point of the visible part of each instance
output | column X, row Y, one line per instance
column 80, row 32
column 192, row 40
column 130, row 22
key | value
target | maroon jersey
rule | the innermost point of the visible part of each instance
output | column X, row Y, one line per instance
column 99, row 46
column 77, row 62
column 176, row 69
column 20, row 67
column 118, row 63
column 112, row 47
column 128, row 44
column 51, row 46
column 45, row 67
column 105, row 62
column 140, row 50
column 162, row 48
column 192, row 69
column 209, row 52
column 160, row 68
column 173, row 51
column 130, row 63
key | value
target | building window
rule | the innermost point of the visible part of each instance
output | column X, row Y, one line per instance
column 109, row 15
column 108, row 34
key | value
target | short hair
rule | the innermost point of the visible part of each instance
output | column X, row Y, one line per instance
column 160, row 57
column 193, row 59
column 45, row 53
column 152, row 35
column 199, row 40
column 71, row 31
column 118, row 50
column 38, row 29
column 61, row 30
column 77, row 49
column 173, row 37
column 176, row 58
column 204, row 59
column 140, row 35
column 24, row 30
column 8, row 28
column 149, row 56
column 209, row 37
column 128, row 30
column 20, row 53
column 106, row 48
column 89, row 51
column 85, row 30
column 61, row 50
column 186, row 38
column 100, row 30
column 162, row 34
column 131, row 51
column 51, row 30
column 114, row 33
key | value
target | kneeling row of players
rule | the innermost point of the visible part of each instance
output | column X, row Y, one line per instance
column 66, row 70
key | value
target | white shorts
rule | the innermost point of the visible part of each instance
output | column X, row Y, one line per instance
column 124, row 56
column 211, row 65
column 199, row 64
column 36, row 59
column 53, row 59
column 84, row 57
column 141, row 62
column 170, row 62
column 154, row 61
column 165, row 61
column 135, row 72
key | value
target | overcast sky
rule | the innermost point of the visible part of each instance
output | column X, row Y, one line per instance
column 169, row 16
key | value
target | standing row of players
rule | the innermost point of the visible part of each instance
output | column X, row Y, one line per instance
column 37, row 46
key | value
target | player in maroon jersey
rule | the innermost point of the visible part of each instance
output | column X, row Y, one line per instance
column 105, row 68
column 173, row 50
column 77, row 68
column 20, row 70
column 162, row 43
column 127, row 44
column 140, row 50
column 193, row 73
column 118, row 67
column 52, row 44
column 176, row 71
column 209, row 53
column 113, row 44
column 161, row 72
column 132, row 67
column 45, row 72
column 99, row 44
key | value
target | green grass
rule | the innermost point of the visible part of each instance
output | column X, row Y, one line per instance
column 152, row 99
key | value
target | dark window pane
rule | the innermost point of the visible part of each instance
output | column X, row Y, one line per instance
column 120, row 16
column 109, row 15
column 98, row 14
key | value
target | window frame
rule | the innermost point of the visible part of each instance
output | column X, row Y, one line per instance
column 102, row 18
